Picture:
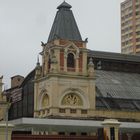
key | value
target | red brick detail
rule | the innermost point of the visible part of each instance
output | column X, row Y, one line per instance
column 71, row 69
column 63, row 42
column 62, row 60
column 78, row 44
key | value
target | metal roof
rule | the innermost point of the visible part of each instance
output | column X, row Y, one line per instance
column 118, row 84
column 117, row 90
column 114, row 56
column 64, row 25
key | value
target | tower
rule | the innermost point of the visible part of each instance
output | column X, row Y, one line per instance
column 65, row 86
column 130, row 27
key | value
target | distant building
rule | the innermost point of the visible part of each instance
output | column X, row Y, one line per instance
column 75, row 89
column 130, row 27
column 3, row 102
column 16, row 81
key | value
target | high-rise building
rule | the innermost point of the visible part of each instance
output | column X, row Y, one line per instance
column 130, row 27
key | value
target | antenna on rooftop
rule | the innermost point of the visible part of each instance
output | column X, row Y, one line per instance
column 99, row 65
column 38, row 59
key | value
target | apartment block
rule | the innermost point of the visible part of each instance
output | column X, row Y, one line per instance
column 130, row 27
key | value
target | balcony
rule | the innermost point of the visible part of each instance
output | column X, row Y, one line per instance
column 71, row 70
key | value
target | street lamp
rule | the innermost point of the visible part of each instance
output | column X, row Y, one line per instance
column 6, row 120
column 4, row 107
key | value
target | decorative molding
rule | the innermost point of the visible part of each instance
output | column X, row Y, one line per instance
column 72, row 99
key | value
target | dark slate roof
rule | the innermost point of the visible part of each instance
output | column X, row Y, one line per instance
column 64, row 26
column 30, row 77
column 114, row 56
column 117, row 104
column 117, row 90
column 118, row 84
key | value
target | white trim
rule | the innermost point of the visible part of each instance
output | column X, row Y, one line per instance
column 69, row 123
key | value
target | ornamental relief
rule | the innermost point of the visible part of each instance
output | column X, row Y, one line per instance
column 72, row 99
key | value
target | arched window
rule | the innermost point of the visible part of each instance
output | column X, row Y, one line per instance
column 70, row 61
column 45, row 101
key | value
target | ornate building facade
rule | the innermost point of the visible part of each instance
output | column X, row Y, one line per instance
column 75, row 89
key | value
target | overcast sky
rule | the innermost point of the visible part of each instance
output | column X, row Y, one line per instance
column 25, row 23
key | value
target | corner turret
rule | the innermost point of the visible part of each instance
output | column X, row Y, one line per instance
column 91, row 71
column 37, row 69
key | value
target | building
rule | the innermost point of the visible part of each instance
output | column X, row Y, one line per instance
column 75, row 89
column 5, row 128
column 3, row 103
column 130, row 27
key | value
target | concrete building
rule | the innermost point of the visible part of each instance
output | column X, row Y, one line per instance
column 130, row 27
column 75, row 89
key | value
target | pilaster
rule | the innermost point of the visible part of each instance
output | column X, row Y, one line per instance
column 5, row 131
column 111, row 127
column 84, row 68
column 129, row 135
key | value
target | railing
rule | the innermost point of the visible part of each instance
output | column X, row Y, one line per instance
column 52, row 137
column 62, row 111
column 71, row 69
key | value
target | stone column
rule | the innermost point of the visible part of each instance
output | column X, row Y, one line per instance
column 65, row 62
column 129, row 135
column 5, row 131
column 111, row 124
column 84, row 68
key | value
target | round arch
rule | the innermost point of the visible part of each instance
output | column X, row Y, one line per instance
column 75, row 96
column 43, row 99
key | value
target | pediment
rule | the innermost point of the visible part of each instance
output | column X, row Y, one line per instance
column 71, row 47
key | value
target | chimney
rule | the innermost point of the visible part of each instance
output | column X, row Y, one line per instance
column 16, row 80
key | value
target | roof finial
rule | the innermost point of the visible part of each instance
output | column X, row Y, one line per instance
column 37, row 59
column 64, row 5
column 38, row 64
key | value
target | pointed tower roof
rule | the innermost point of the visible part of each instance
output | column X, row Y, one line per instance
column 64, row 5
column 64, row 25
